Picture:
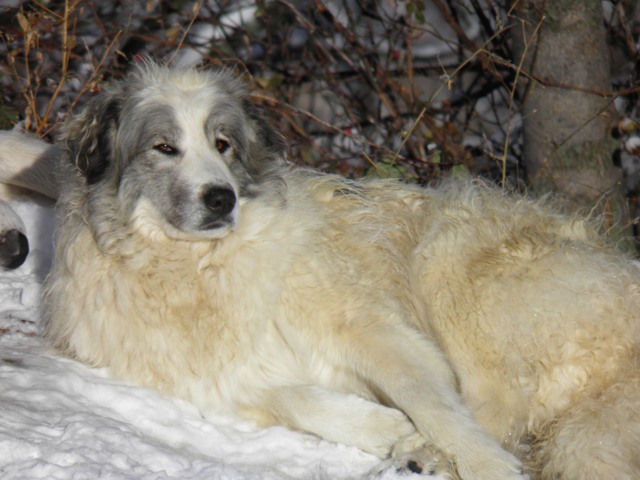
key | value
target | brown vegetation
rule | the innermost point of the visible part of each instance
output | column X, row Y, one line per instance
column 405, row 89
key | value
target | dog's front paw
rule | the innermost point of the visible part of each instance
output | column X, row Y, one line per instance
column 412, row 456
column 426, row 461
column 490, row 464
column 420, row 464
column 386, row 426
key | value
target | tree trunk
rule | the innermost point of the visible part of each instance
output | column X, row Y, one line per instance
column 567, row 146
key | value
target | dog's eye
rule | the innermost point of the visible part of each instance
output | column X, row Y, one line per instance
column 222, row 145
column 166, row 149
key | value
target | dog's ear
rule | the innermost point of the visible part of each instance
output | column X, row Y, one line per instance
column 269, row 147
column 89, row 137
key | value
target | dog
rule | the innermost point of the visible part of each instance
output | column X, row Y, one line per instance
column 14, row 245
column 456, row 329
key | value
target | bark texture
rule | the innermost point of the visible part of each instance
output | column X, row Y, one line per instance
column 567, row 146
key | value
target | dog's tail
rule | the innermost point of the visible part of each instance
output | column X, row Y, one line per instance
column 28, row 162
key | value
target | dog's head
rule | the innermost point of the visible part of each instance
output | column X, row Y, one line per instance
column 176, row 148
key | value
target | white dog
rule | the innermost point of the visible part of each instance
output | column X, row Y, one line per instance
column 14, row 246
column 452, row 328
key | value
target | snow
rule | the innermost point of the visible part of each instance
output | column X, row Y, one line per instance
column 60, row 419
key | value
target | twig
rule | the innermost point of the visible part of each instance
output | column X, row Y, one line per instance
column 505, row 148
column 195, row 12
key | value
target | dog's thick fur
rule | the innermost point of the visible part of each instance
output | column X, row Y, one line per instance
column 428, row 323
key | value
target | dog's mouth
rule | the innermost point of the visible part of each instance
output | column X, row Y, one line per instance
column 213, row 231
column 210, row 231
column 207, row 228
column 149, row 221
column 217, row 224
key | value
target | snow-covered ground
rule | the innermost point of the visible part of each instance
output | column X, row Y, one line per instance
column 62, row 420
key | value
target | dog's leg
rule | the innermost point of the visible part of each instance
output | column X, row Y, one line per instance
column 413, row 374
column 353, row 420
column 339, row 417
column 598, row 437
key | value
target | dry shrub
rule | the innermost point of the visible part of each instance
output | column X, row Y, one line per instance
column 404, row 89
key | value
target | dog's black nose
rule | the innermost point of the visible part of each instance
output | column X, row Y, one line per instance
column 14, row 248
column 220, row 200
